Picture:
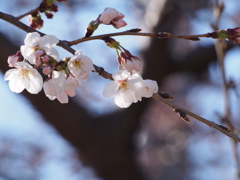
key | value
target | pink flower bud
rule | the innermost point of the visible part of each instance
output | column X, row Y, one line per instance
column 35, row 21
column 128, row 65
column 12, row 60
column 38, row 62
column 49, row 15
column 233, row 35
column 113, row 17
column 129, row 62
column 137, row 65
column 45, row 58
column 118, row 23
column 39, row 53
column 47, row 70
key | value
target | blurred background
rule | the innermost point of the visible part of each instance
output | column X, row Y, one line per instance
column 90, row 137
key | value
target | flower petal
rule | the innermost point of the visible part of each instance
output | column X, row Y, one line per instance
column 120, row 102
column 36, row 82
column 32, row 39
column 110, row 89
column 48, row 41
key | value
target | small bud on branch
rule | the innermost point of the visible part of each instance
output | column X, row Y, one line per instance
column 166, row 95
column 182, row 115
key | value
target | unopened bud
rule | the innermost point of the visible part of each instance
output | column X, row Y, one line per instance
column 112, row 43
column 182, row 115
column 93, row 25
column 224, row 128
column 166, row 95
column 47, row 70
column 12, row 60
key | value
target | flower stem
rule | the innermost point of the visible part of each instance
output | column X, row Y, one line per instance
column 28, row 13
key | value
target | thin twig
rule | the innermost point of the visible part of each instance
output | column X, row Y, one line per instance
column 160, row 35
column 28, row 13
column 199, row 118
column 218, row 9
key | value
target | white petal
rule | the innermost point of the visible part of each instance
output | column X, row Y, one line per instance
column 23, row 65
column 36, row 82
column 52, row 52
column 88, row 64
column 16, row 85
column 110, row 89
column 32, row 39
column 129, row 96
column 48, row 41
column 63, row 98
column 10, row 74
column 28, row 53
column 121, row 75
column 150, row 87
column 51, row 89
column 78, row 53
column 120, row 102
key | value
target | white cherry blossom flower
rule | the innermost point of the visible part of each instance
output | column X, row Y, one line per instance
column 80, row 66
column 125, row 88
column 24, row 76
column 34, row 44
column 60, row 87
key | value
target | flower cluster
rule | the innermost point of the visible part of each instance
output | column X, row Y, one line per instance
column 46, row 7
column 61, row 77
column 126, row 60
column 128, row 88
column 232, row 35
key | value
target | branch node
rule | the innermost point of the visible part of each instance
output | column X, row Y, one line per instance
column 182, row 115
column 134, row 30
column 166, row 95
column 193, row 39
column 162, row 35
column 224, row 128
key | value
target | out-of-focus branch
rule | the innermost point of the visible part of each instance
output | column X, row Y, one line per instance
column 218, row 9
column 199, row 118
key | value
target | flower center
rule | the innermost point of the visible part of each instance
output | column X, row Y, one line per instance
column 147, row 88
column 123, row 85
column 77, row 63
column 24, row 74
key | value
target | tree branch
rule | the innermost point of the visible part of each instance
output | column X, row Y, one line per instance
column 66, row 45
column 199, row 118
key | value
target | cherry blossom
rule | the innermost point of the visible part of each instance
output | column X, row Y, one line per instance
column 125, row 88
column 35, row 44
column 60, row 86
column 113, row 17
column 80, row 66
column 24, row 76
